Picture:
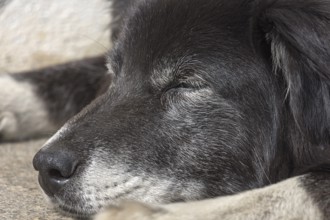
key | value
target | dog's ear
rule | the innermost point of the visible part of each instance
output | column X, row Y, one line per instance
column 298, row 34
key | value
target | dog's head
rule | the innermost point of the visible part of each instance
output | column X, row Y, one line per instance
column 205, row 98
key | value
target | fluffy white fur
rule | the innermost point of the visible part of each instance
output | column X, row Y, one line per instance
column 288, row 198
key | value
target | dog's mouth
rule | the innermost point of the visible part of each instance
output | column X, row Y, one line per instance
column 82, row 200
column 72, row 203
column 99, row 185
column 74, row 210
column 71, row 212
column 85, row 202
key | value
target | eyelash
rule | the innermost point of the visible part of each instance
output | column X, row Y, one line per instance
column 179, row 85
column 172, row 93
column 194, row 85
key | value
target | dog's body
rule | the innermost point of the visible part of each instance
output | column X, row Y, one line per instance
column 201, row 99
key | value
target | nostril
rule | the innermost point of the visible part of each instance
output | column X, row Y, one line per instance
column 60, row 169
column 55, row 174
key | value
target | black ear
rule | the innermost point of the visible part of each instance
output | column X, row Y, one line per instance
column 298, row 32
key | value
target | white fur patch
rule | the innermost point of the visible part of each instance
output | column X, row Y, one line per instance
column 285, row 200
column 22, row 113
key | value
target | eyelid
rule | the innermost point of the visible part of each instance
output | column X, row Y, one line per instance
column 187, row 84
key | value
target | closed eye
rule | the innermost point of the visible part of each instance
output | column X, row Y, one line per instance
column 179, row 85
column 185, row 92
column 186, row 85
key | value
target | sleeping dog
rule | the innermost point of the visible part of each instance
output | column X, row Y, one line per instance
column 207, row 110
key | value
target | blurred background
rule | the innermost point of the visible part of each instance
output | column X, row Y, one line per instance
column 37, row 33
column 34, row 34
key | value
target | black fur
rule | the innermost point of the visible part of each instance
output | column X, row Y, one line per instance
column 300, row 44
column 233, row 95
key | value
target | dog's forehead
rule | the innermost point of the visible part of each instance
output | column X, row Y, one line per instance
column 162, row 37
column 158, row 26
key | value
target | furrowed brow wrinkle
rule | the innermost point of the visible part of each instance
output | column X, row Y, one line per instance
column 192, row 77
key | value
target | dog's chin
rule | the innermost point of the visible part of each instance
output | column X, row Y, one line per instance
column 77, row 211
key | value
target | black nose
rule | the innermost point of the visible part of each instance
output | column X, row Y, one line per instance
column 55, row 169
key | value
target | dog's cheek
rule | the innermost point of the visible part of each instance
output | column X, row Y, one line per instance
column 107, row 184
